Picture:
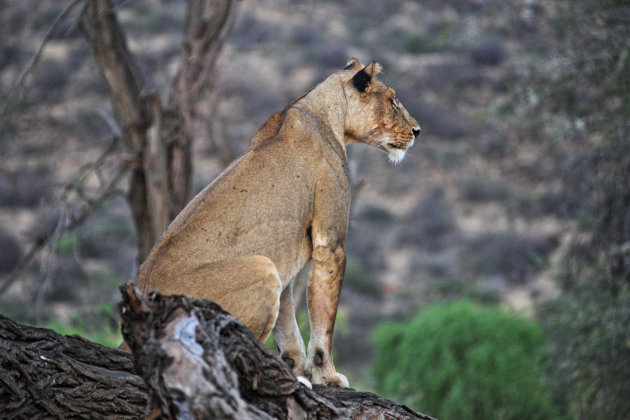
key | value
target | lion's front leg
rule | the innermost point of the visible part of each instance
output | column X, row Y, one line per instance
column 324, row 286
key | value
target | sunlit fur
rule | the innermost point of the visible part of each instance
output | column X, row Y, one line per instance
column 243, row 238
column 375, row 115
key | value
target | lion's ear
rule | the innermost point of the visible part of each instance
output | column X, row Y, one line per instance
column 364, row 77
column 353, row 64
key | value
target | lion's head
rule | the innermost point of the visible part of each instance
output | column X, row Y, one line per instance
column 375, row 116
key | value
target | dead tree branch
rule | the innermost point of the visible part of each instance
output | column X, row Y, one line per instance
column 160, row 135
column 197, row 361
column 126, row 88
column 33, row 63
column 43, row 374
column 205, row 28
column 74, row 215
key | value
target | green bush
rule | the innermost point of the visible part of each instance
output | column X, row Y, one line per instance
column 462, row 361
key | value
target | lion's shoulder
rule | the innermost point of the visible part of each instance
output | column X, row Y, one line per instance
column 268, row 130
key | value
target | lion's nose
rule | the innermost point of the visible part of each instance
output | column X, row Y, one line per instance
column 415, row 131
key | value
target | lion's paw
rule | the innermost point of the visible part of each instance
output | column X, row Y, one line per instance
column 338, row 379
column 330, row 378
column 304, row 381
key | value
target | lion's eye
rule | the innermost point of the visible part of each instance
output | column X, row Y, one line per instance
column 394, row 103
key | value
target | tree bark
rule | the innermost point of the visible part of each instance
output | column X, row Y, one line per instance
column 197, row 361
column 43, row 374
column 125, row 85
column 205, row 29
column 160, row 136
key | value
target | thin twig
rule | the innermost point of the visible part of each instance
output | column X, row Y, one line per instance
column 31, row 65
column 204, row 39
column 109, row 120
column 94, row 166
column 71, row 223
column 212, row 42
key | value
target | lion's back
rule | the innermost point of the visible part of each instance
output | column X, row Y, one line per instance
column 261, row 205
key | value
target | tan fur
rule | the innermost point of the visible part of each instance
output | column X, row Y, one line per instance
column 242, row 240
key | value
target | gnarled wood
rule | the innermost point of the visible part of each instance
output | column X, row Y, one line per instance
column 43, row 374
column 197, row 361
column 190, row 351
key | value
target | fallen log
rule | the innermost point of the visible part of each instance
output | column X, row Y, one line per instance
column 44, row 374
column 194, row 360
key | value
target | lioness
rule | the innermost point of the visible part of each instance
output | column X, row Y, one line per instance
column 243, row 239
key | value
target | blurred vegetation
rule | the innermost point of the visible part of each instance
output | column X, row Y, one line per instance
column 11, row 252
column 451, row 288
column 578, row 99
column 359, row 279
column 100, row 325
column 511, row 256
column 459, row 360
column 67, row 243
column 589, row 324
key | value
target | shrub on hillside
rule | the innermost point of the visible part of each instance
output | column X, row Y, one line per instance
column 462, row 361
column 430, row 223
column 589, row 362
column 511, row 256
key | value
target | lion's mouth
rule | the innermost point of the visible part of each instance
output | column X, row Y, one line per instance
column 401, row 146
column 397, row 149
column 396, row 153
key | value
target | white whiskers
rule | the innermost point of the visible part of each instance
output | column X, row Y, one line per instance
column 396, row 155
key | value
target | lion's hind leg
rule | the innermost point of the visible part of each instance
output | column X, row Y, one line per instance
column 247, row 287
column 287, row 335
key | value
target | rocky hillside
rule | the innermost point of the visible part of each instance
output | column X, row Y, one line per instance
column 476, row 210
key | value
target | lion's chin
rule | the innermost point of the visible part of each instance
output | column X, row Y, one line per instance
column 395, row 152
column 396, row 155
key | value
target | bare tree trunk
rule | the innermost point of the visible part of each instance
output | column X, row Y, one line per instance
column 205, row 28
column 160, row 136
column 197, row 361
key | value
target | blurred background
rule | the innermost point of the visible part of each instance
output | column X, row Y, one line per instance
column 487, row 274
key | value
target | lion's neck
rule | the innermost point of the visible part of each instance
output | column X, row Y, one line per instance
column 327, row 104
